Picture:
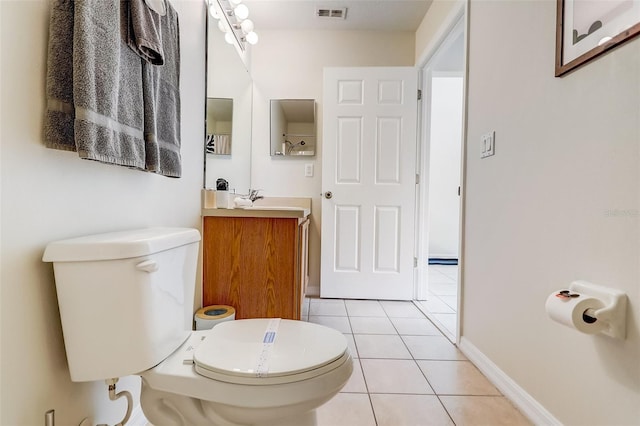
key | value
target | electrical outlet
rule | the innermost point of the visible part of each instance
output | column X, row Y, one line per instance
column 488, row 144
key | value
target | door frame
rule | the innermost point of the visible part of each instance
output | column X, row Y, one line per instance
column 457, row 21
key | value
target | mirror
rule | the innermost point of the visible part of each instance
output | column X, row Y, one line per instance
column 219, row 126
column 228, row 113
column 293, row 127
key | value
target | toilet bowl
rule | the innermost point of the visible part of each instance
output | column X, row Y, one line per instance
column 228, row 376
column 141, row 284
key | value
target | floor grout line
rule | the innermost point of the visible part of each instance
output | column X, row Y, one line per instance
column 412, row 359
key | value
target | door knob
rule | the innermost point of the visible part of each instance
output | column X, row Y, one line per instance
column 328, row 195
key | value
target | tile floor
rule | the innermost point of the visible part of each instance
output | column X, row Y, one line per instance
column 442, row 300
column 406, row 372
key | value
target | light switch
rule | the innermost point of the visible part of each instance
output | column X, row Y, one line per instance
column 488, row 144
column 308, row 170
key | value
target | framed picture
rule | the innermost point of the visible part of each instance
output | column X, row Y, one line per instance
column 586, row 29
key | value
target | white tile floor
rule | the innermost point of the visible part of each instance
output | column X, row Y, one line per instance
column 406, row 373
column 442, row 300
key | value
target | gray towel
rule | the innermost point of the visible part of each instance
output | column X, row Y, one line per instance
column 94, row 84
column 107, row 86
column 59, row 116
column 161, row 91
column 143, row 35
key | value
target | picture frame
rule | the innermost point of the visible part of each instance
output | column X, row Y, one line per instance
column 586, row 29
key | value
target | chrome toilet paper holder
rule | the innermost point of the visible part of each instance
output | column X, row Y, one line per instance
column 614, row 311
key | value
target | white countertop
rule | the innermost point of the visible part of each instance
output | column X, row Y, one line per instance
column 277, row 207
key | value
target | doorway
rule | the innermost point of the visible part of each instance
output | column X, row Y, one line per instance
column 443, row 80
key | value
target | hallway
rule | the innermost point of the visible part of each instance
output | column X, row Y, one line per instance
column 441, row 305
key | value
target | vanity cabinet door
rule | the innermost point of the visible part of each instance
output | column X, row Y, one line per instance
column 253, row 264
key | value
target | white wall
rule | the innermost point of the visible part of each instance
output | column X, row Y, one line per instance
column 288, row 65
column 444, row 168
column 49, row 195
column 440, row 15
column 558, row 202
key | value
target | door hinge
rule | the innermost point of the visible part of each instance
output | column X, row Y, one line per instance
column 419, row 94
column 415, row 262
column 417, row 178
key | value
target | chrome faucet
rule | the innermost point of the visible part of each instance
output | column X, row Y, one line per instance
column 253, row 195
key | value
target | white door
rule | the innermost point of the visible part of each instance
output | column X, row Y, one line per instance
column 368, row 182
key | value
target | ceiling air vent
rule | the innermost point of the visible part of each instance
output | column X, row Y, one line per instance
column 323, row 12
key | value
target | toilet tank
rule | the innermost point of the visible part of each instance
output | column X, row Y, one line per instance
column 125, row 298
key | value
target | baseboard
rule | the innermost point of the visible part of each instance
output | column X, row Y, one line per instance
column 137, row 417
column 518, row 396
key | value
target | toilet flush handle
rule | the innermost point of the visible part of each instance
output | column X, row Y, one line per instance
column 148, row 266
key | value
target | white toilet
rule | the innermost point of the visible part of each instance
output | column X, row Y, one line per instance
column 126, row 308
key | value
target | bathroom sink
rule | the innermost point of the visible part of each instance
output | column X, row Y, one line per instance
column 272, row 208
column 276, row 207
column 309, row 153
column 279, row 210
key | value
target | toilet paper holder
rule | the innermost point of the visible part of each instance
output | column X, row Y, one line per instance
column 614, row 311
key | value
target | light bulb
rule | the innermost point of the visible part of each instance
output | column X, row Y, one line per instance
column 235, row 2
column 241, row 11
column 252, row 38
column 213, row 11
column 247, row 26
column 229, row 38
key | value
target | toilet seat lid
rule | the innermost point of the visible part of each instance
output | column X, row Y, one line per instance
column 239, row 349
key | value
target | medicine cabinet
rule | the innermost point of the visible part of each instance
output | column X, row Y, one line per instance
column 293, row 127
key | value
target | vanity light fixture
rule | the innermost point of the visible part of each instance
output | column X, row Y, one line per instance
column 234, row 22
column 213, row 11
column 247, row 26
column 241, row 11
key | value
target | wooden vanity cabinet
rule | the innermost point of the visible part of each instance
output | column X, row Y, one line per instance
column 258, row 265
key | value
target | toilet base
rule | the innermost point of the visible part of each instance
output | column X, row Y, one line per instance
column 170, row 409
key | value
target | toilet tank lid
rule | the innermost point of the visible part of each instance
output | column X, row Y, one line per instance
column 119, row 245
